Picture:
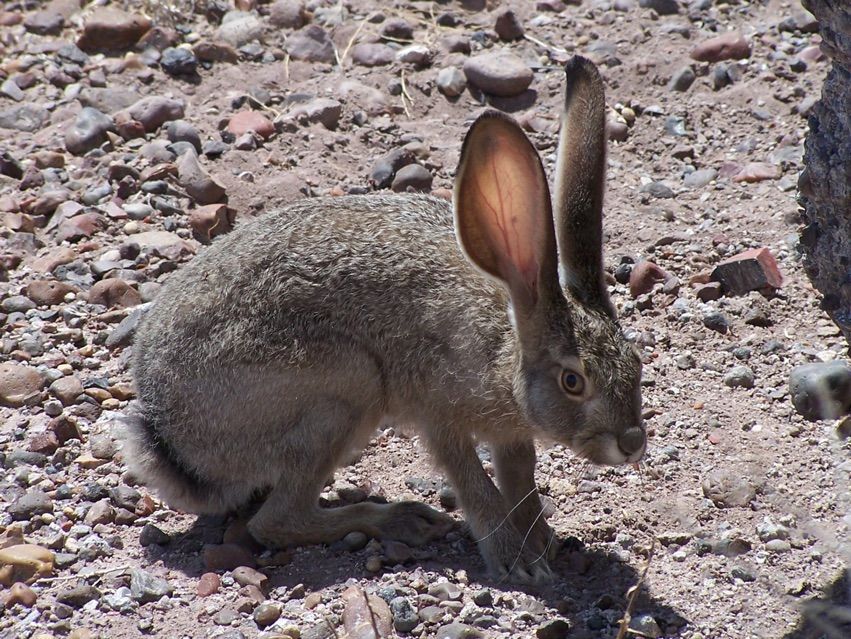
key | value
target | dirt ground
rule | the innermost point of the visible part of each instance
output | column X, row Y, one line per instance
column 770, row 543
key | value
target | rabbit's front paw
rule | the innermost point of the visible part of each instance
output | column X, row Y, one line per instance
column 414, row 523
column 511, row 557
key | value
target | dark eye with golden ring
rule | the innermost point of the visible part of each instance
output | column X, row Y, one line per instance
column 572, row 382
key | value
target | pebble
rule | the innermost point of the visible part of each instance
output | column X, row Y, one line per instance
column 226, row 557
column 821, row 390
column 215, row 52
column 417, row 55
column 114, row 293
column 154, row 111
column 555, row 629
column 644, row 276
column 100, row 512
column 77, row 596
column 20, row 384
column 198, row 184
column 287, row 14
column 145, row 587
column 645, row 626
column 457, row 630
column 451, row 82
column 508, row 26
column 311, row 44
column 88, row 131
column 179, row 61
column 12, row 91
column 386, row 167
column 662, row 7
column 397, row 29
column 181, row 131
column 682, row 79
column 413, row 177
column 404, row 616
column 728, row 489
column 499, row 73
column 109, row 29
column 752, row 270
column 210, row 221
column 208, row 584
column 700, row 178
column 46, row 22
column 739, row 377
column 266, row 614
column 757, row 172
column 355, row 541
column 22, row 594
column 24, row 117
column 728, row 46
column 716, row 321
column 67, row 389
column 365, row 615
column 239, row 28
column 658, row 190
column 247, row 576
column 372, row 54
column 325, row 111
column 251, row 122
column 778, row 545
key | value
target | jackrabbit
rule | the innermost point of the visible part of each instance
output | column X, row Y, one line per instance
column 286, row 343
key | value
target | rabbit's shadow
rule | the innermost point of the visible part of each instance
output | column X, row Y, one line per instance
column 589, row 590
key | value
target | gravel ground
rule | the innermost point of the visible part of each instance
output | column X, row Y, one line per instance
column 118, row 165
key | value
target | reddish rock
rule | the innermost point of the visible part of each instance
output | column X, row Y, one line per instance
column 20, row 593
column 114, row 293
column 757, row 172
column 45, row 443
column 207, row 51
column 208, row 584
column 366, row 615
column 251, row 121
column 79, row 227
column 247, row 576
column 108, row 29
column 644, row 276
column 19, row 384
column 209, row 221
column 226, row 557
column 753, row 270
column 708, row 292
column 728, row 46
column 67, row 389
column 48, row 292
column 64, row 428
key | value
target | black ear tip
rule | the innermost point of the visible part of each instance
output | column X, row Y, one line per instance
column 578, row 67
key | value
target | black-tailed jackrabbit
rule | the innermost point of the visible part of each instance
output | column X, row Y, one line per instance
column 285, row 344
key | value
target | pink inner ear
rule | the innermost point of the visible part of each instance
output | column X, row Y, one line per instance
column 509, row 193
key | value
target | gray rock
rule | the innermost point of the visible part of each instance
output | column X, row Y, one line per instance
column 11, row 90
column 507, row 26
column 417, row 55
column 106, row 99
column 739, row 377
column 122, row 335
column 154, row 111
column 27, row 117
column 769, row 530
column 728, row 489
column 267, row 613
column 178, row 61
column 682, row 79
column 499, row 72
column 451, row 82
column 372, row 54
column 198, row 184
column 32, row 502
column 413, row 177
column 821, row 390
column 355, row 541
column 17, row 304
column 20, row 384
column 287, row 14
column 322, row 110
column 716, row 321
column 555, row 629
column 78, row 596
column 385, row 168
column 397, row 29
column 239, row 28
column 404, row 617
column 46, row 22
column 646, row 625
column 456, row 630
column 67, row 389
column 699, row 178
column 145, row 587
column 311, row 44
column 658, row 190
column 182, row 131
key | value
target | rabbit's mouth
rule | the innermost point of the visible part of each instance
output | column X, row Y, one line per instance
column 611, row 449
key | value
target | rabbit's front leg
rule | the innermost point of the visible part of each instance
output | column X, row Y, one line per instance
column 503, row 547
column 514, row 463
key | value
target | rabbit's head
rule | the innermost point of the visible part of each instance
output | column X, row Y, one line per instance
column 577, row 379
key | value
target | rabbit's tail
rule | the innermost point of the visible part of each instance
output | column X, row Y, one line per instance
column 152, row 462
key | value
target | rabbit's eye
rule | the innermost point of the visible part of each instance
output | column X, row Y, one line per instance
column 572, row 382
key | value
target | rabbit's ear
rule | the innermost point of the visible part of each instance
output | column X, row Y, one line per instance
column 503, row 214
column 580, row 177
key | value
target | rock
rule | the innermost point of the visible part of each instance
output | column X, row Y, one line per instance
column 24, row 562
column 226, row 557
column 240, row 29
column 753, row 270
column 322, row 110
column 207, row 51
column 154, row 111
column 179, row 61
column 457, row 630
column 46, row 22
column 67, row 389
column 20, row 384
column 417, row 55
column 499, row 73
column 662, row 7
column 404, row 616
column 208, row 584
column 32, row 502
column 79, row 227
column 757, row 172
column 682, row 79
column 555, row 629
column 821, row 390
column 197, row 183
column 114, row 293
column 101, row 512
column 211, row 221
column 11, row 90
column 644, row 276
column 728, row 489
column 708, row 292
column 700, row 178
column 385, row 168
column 802, row 21
column 109, row 29
column 507, row 26
column 287, row 14
column 25, row 117
column 716, row 321
column 122, row 335
column 78, row 596
column 728, row 46
column 395, row 29
column 658, row 190
column 769, row 530
column 22, row 594
column 412, row 177
column 825, row 184
column 145, row 587
column 645, row 626
column 366, row 616
column 311, row 44
column 182, row 131
column 247, row 576
column 372, row 54
column 266, row 614
column 617, row 131
column 739, row 377
column 251, row 122
column 451, row 82
column 355, row 541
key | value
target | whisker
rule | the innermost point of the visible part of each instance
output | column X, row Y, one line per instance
column 504, row 519
column 525, row 539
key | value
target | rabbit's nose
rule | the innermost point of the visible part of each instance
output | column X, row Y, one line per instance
column 631, row 440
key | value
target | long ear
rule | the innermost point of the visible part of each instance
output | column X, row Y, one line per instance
column 503, row 215
column 580, row 177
